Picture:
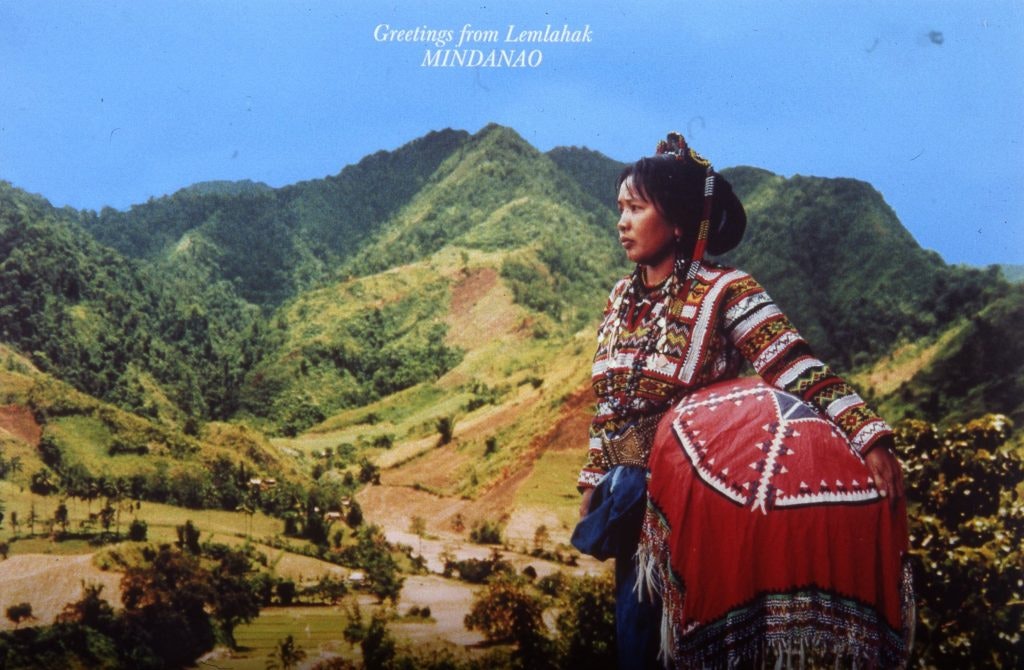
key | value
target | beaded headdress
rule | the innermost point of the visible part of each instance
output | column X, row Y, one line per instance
column 675, row 144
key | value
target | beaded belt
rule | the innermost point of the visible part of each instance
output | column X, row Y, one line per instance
column 634, row 445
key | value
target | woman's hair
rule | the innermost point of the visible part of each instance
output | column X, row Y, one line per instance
column 675, row 186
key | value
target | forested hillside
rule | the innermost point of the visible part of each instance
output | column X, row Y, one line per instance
column 167, row 344
column 271, row 244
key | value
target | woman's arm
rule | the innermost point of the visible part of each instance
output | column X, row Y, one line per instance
column 762, row 333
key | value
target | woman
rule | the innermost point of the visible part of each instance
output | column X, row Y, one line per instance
column 674, row 333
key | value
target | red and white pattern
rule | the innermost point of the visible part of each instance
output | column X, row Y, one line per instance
column 764, row 535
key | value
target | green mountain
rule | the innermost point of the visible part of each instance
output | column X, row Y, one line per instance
column 973, row 367
column 496, row 204
column 838, row 261
column 271, row 244
column 358, row 275
column 158, row 343
column 595, row 173
column 424, row 319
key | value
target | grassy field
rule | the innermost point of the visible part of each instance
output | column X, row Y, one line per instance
column 317, row 630
column 552, row 485
column 162, row 520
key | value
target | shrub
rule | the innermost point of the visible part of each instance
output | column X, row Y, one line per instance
column 486, row 532
column 138, row 530
column 966, row 511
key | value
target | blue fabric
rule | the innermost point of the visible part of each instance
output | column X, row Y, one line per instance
column 616, row 512
column 637, row 619
column 611, row 529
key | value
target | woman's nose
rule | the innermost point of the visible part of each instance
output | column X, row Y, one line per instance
column 622, row 223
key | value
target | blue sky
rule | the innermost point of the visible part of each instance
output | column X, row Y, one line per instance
column 111, row 103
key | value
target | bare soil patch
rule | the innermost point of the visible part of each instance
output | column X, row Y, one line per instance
column 48, row 583
column 18, row 422
column 480, row 307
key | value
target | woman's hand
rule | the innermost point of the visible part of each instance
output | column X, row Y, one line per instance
column 885, row 470
column 585, row 503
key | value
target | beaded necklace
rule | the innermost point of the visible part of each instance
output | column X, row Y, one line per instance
column 630, row 308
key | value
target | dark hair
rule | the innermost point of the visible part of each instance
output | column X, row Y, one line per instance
column 676, row 189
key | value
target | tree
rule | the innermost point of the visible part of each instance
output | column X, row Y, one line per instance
column 166, row 605
column 91, row 610
column 373, row 554
column 586, row 624
column 188, row 538
column 354, row 516
column 60, row 515
column 541, row 537
column 138, row 530
column 285, row 591
column 445, row 429
column 369, row 472
column 236, row 597
column 18, row 613
column 329, row 589
column 286, row 655
column 377, row 645
column 505, row 611
column 966, row 512
column 42, row 482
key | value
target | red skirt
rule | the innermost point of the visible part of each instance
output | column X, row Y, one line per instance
column 765, row 537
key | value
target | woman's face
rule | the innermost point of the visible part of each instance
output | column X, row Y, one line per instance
column 643, row 232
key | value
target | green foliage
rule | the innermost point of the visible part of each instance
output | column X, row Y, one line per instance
column 486, row 531
column 967, row 537
column 595, row 173
column 445, row 429
column 478, row 570
column 373, row 554
column 836, row 259
column 377, row 645
column 350, row 345
column 532, row 285
column 188, row 538
column 60, row 646
column 981, row 370
column 586, row 625
column 19, row 612
column 138, row 530
column 286, row 656
column 110, row 327
column 507, row 611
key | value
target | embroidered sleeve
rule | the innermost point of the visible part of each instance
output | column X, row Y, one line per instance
column 595, row 467
column 766, row 338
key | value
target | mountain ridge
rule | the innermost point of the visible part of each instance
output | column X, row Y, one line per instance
column 830, row 251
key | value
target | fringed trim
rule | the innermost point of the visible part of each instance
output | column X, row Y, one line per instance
column 908, row 609
column 653, row 573
column 796, row 640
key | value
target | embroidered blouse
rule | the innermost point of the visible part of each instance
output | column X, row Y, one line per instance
column 726, row 318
